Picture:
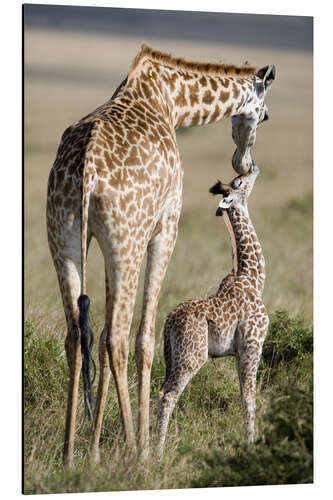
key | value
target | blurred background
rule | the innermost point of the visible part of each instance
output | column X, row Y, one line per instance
column 75, row 57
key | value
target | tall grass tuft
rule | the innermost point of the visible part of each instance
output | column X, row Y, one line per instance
column 282, row 454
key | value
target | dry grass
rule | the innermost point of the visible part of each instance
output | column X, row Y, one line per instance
column 68, row 75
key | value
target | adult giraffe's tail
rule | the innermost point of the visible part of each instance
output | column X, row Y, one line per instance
column 87, row 336
column 87, row 339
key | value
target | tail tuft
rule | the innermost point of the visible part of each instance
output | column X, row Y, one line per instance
column 87, row 339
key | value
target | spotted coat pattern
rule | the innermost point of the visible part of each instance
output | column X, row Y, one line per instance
column 232, row 322
column 117, row 177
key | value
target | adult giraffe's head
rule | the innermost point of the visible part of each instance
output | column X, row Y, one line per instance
column 245, row 124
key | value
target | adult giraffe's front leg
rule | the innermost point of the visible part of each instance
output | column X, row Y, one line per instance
column 159, row 251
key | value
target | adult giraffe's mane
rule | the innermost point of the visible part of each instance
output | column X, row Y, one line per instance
column 166, row 59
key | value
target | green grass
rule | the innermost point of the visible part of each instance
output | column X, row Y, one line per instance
column 205, row 443
column 283, row 454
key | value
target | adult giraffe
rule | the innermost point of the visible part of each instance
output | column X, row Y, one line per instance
column 118, row 177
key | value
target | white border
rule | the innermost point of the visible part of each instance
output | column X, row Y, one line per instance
column 11, row 240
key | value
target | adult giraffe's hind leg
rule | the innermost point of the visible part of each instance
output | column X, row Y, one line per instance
column 69, row 281
column 102, row 391
column 104, row 379
column 159, row 252
column 124, row 280
column 117, row 343
column 64, row 237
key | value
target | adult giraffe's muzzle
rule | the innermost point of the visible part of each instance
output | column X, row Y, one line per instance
column 242, row 163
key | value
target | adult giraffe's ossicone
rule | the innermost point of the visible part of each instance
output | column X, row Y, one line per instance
column 118, row 177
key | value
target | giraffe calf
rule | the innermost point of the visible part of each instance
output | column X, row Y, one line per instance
column 232, row 322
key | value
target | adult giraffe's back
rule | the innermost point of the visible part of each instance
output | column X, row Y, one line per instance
column 118, row 177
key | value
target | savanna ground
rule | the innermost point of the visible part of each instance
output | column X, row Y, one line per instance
column 68, row 75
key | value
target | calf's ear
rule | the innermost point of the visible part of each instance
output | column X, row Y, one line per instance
column 220, row 188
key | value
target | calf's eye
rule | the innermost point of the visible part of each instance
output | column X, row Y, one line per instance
column 237, row 183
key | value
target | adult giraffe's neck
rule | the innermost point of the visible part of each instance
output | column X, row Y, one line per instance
column 193, row 97
column 251, row 262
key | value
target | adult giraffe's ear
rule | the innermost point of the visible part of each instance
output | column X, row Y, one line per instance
column 220, row 188
column 267, row 75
